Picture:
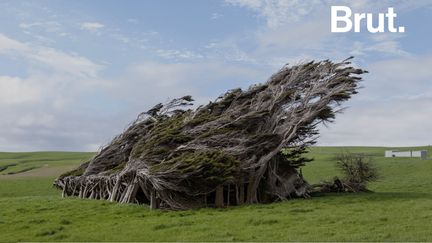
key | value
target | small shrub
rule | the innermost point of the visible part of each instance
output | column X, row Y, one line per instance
column 358, row 170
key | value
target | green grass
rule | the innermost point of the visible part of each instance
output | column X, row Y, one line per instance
column 13, row 163
column 400, row 209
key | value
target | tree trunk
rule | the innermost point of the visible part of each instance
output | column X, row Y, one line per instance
column 154, row 204
column 242, row 194
column 228, row 195
column 64, row 190
column 115, row 189
column 219, row 197
column 251, row 196
column 133, row 193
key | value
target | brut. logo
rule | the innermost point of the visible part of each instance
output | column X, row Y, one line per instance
column 341, row 21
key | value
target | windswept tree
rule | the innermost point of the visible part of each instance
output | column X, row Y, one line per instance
column 244, row 147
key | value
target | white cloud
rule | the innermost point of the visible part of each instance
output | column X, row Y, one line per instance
column 43, row 106
column 8, row 44
column 230, row 50
column 36, row 119
column 398, row 78
column 48, row 26
column 178, row 54
column 160, row 81
column 278, row 12
column 391, row 123
column 62, row 102
column 393, row 109
column 92, row 26
column 60, row 61
column 310, row 34
column 391, row 48
column 407, row 70
column 14, row 90
column 302, row 28
column 64, row 62
column 307, row 39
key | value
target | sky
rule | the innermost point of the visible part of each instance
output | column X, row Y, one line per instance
column 73, row 74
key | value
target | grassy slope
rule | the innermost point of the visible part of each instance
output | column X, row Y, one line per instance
column 11, row 163
column 400, row 209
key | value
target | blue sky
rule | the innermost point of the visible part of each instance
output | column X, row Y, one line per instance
column 73, row 74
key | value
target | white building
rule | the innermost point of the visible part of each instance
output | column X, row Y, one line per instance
column 410, row 154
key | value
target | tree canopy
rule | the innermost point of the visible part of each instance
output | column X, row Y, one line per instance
column 244, row 147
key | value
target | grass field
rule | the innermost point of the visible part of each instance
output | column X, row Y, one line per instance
column 399, row 209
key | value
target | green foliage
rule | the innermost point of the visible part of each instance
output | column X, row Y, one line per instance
column 295, row 156
column 167, row 133
column 224, row 101
column 327, row 114
column 76, row 172
column 216, row 131
column 200, row 118
column 211, row 166
column 117, row 168
column 358, row 170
